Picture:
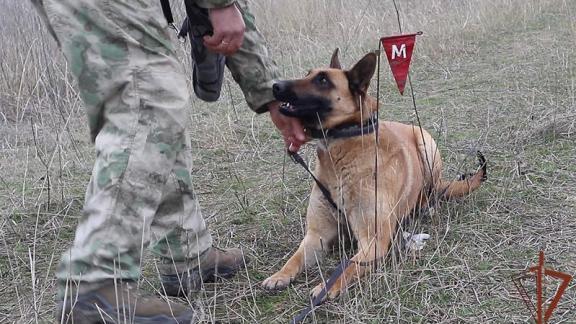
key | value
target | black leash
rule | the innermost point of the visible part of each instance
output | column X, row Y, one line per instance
column 318, row 299
column 297, row 158
column 369, row 126
column 341, row 132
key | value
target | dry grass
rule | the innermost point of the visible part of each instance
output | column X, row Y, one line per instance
column 494, row 75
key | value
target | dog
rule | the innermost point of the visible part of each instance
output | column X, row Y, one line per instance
column 334, row 106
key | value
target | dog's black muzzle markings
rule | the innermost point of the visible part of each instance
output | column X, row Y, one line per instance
column 282, row 90
column 307, row 108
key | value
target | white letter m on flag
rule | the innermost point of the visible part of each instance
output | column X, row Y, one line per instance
column 398, row 52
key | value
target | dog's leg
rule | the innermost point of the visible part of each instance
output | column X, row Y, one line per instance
column 321, row 230
column 370, row 253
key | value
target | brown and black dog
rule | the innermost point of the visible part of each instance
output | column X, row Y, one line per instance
column 334, row 103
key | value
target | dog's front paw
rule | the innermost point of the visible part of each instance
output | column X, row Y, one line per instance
column 335, row 291
column 277, row 281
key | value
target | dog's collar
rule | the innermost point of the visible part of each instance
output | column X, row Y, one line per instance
column 345, row 131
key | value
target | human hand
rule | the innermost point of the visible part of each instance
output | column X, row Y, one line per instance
column 229, row 27
column 290, row 128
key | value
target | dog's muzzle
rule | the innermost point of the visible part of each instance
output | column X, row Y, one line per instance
column 308, row 108
column 282, row 91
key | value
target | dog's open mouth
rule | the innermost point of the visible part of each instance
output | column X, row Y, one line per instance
column 302, row 111
column 305, row 107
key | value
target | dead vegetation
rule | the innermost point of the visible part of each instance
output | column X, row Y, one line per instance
column 490, row 75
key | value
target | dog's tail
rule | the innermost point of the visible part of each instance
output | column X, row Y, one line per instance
column 466, row 184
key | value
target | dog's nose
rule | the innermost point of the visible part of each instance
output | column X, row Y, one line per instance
column 278, row 88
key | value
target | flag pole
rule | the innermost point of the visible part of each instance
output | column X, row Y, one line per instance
column 376, row 155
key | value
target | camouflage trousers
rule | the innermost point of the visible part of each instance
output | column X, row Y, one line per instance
column 140, row 194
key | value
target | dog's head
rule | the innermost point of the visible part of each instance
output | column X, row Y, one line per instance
column 330, row 97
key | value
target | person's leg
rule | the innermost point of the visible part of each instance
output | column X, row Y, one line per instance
column 135, row 98
column 179, row 233
column 181, row 241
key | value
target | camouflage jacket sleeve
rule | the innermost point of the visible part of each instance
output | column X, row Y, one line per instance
column 252, row 67
column 213, row 3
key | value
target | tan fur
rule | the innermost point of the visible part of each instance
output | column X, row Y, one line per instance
column 409, row 169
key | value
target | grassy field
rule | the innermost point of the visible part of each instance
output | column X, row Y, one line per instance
column 492, row 75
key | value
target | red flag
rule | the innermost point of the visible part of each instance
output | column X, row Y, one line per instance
column 399, row 52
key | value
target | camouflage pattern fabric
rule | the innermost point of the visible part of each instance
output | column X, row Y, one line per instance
column 252, row 67
column 208, row 4
column 135, row 97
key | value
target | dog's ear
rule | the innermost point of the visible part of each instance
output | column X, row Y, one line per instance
column 335, row 61
column 360, row 75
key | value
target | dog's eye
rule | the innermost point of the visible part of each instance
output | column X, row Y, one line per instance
column 322, row 80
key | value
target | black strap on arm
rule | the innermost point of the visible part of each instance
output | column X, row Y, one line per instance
column 168, row 15
column 197, row 22
column 166, row 11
